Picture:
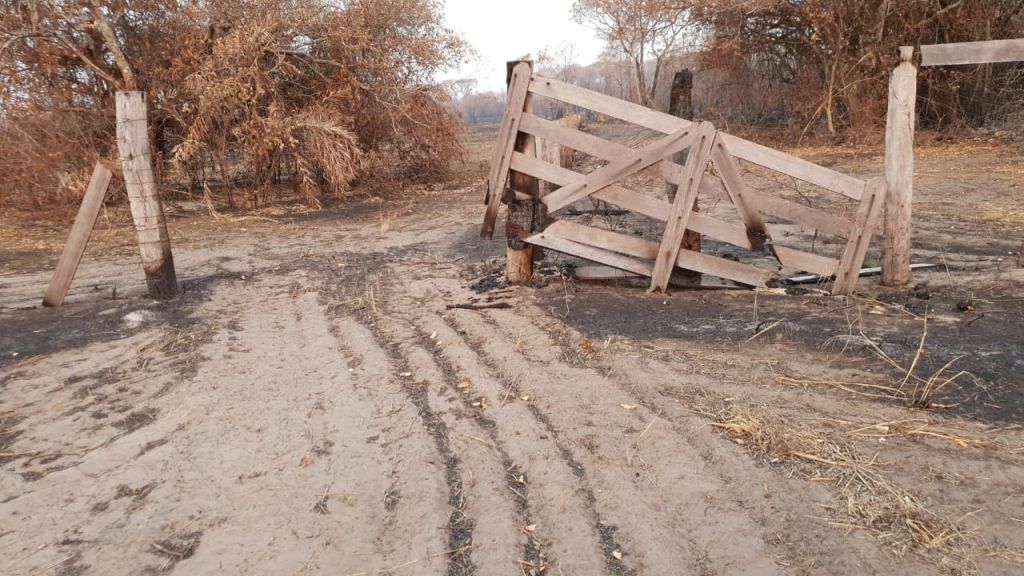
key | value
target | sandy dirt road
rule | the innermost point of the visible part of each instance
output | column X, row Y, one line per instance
column 313, row 405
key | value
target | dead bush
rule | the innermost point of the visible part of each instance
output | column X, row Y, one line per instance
column 247, row 100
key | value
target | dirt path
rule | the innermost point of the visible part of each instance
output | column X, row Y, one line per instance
column 312, row 406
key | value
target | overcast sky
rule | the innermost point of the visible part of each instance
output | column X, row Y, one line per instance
column 502, row 30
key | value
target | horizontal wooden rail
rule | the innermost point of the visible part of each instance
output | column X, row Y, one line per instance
column 636, row 202
column 599, row 255
column 806, row 262
column 987, row 52
column 611, row 243
column 667, row 124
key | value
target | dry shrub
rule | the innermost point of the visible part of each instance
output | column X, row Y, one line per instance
column 829, row 62
column 313, row 95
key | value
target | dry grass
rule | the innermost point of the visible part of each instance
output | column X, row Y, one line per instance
column 871, row 501
column 914, row 389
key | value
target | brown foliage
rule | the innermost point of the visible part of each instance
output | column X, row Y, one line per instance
column 314, row 94
column 830, row 60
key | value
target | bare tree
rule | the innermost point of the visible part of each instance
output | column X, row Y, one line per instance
column 641, row 31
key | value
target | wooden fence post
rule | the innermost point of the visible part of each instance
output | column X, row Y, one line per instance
column 522, row 214
column 143, row 195
column 899, row 170
column 79, row 237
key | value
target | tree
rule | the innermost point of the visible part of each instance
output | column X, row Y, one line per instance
column 641, row 31
column 313, row 93
column 830, row 61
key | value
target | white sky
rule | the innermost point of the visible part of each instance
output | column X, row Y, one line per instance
column 503, row 30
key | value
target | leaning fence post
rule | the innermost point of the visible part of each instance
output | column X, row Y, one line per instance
column 92, row 203
column 143, row 196
column 899, row 170
column 521, row 213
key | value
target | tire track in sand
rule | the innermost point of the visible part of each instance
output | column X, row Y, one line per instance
column 459, row 527
column 658, row 494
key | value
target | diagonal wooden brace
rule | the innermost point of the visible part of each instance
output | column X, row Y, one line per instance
column 675, row 228
column 737, row 191
column 608, row 175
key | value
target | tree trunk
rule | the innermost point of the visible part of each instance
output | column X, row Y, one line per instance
column 681, row 106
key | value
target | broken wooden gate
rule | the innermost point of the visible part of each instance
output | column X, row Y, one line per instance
column 707, row 147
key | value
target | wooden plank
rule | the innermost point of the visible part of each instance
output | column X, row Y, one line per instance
column 607, row 105
column 800, row 214
column 627, row 244
column 518, row 89
column 673, row 172
column 602, row 274
column 67, row 265
column 640, row 203
column 899, row 171
column 609, row 242
column 737, row 191
column 805, row 261
column 796, row 167
column 575, row 139
column 863, row 230
column 986, row 52
column 675, row 227
column 668, row 124
column 559, row 244
column 140, row 182
column 723, row 268
column 619, row 169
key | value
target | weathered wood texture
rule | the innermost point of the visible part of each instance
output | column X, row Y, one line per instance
column 680, row 105
column 987, row 52
column 706, row 146
column 615, row 171
column 668, row 124
column 522, row 217
column 632, row 254
column 863, row 230
column 519, row 82
column 682, row 208
column 67, row 265
column 899, row 171
column 143, row 195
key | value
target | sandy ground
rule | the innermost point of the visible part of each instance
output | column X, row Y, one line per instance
column 314, row 405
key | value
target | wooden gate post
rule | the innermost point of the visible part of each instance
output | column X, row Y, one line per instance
column 899, row 170
column 143, row 195
column 522, row 214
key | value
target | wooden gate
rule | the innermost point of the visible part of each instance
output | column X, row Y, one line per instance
column 707, row 147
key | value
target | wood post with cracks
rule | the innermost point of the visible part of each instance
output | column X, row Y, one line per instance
column 681, row 106
column 143, row 195
column 522, row 214
column 79, row 237
column 899, row 170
